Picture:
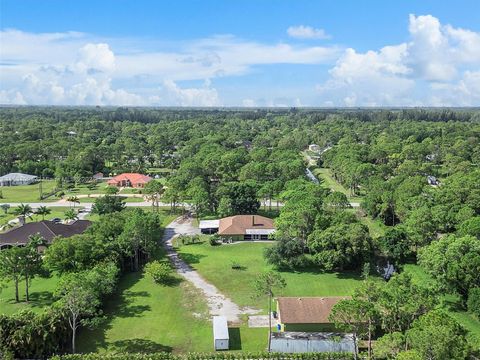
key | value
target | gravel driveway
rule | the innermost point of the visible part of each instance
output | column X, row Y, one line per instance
column 218, row 303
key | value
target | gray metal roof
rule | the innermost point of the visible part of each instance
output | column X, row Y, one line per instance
column 17, row 177
column 220, row 328
column 209, row 224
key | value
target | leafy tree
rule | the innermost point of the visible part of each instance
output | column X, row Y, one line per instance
column 473, row 303
column 31, row 261
column 154, row 189
column 5, row 208
column 351, row 316
column 470, row 227
column 286, row 253
column 111, row 190
column 80, row 295
column 436, row 335
column 75, row 253
column 265, row 284
column 303, row 206
column 420, row 227
column 108, row 204
column 242, row 197
column 389, row 345
column 140, row 235
column 454, row 261
column 402, row 301
column 344, row 246
column 396, row 245
column 337, row 201
column 43, row 211
column 11, row 266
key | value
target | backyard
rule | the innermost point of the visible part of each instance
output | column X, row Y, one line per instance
column 214, row 263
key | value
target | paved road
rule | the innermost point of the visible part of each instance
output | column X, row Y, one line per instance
column 218, row 303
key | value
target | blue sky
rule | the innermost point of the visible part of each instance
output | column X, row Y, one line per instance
column 240, row 53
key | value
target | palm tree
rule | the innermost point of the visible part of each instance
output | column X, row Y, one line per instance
column 43, row 210
column 24, row 210
column 74, row 200
column 70, row 215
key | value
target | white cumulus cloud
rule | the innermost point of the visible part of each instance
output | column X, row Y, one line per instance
column 307, row 32
column 437, row 66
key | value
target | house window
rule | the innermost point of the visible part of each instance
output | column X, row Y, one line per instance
column 255, row 237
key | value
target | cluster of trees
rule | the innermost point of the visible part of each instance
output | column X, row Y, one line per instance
column 315, row 228
column 407, row 316
column 89, row 265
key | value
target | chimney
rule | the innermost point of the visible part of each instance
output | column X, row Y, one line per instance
column 253, row 220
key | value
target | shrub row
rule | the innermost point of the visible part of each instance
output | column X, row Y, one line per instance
column 209, row 356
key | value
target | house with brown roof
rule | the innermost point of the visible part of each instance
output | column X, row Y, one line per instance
column 306, row 313
column 130, row 180
column 48, row 230
column 240, row 227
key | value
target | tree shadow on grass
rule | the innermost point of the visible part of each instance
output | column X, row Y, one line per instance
column 235, row 341
column 191, row 258
column 139, row 346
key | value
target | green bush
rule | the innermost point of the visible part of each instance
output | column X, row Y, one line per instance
column 208, row 356
column 159, row 271
column 473, row 302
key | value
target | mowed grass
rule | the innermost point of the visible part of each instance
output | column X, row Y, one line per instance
column 41, row 295
column 325, row 176
column 146, row 317
column 27, row 193
column 451, row 303
column 214, row 264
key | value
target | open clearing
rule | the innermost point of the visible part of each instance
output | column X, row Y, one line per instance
column 214, row 264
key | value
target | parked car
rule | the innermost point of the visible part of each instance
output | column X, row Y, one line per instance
column 56, row 220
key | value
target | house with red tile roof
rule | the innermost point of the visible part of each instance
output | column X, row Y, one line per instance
column 130, row 180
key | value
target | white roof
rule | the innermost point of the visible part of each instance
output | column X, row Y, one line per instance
column 220, row 328
column 259, row 231
column 17, row 177
column 209, row 224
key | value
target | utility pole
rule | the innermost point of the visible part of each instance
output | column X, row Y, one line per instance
column 40, row 190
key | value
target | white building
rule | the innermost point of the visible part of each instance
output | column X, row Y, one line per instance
column 14, row 179
column 220, row 333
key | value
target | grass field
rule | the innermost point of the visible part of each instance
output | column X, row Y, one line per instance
column 27, row 193
column 452, row 305
column 41, row 295
column 214, row 264
column 147, row 317
column 325, row 175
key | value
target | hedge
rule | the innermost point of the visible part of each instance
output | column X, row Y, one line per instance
column 208, row 356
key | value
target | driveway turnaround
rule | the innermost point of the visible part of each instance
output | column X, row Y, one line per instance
column 218, row 303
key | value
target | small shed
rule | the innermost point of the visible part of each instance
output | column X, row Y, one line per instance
column 220, row 333
column 310, row 342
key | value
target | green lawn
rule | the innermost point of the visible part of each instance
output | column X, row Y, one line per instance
column 452, row 304
column 147, row 317
column 326, row 175
column 27, row 193
column 214, row 264
column 41, row 295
